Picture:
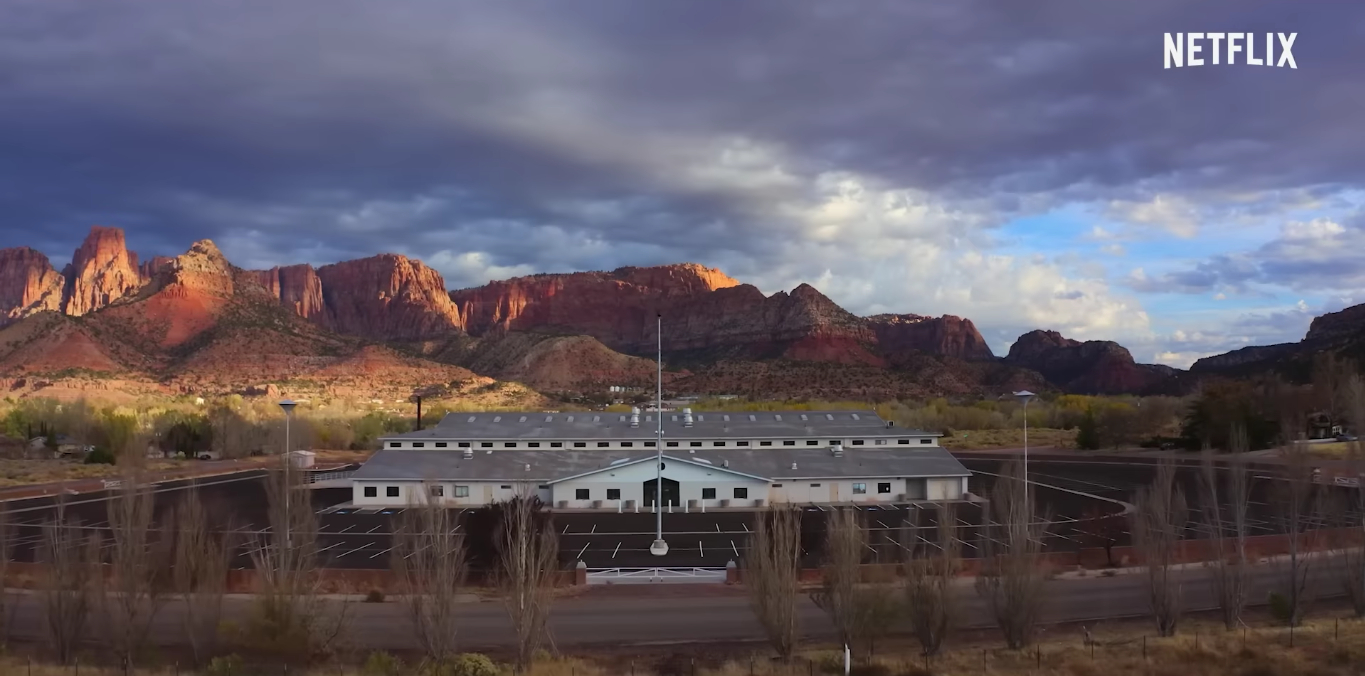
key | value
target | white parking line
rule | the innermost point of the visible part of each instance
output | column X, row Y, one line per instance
column 618, row 548
column 386, row 551
column 566, row 529
column 746, row 527
column 700, row 551
column 364, row 546
column 733, row 547
column 345, row 529
column 717, row 527
column 373, row 530
column 594, row 529
column 334, row 544
column 584, row 549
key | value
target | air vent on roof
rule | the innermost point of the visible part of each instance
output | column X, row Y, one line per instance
column 570, row 418
column 675, row 418
column 753, row 418
column 727, row 418
column 855, row 417
column 597, row 418
column 468, row 454
column 725, row 462
column 634, row 417
column 837, row 450
column 803, row 416
column 779, row 417
column 497, row 418
column 793, row 465
column 528, row 466
column 687, row 417
column 700, row 417
column 549, row 418
column 829, row 416
column 523, row 419
column 623, row 419
column 471, row 419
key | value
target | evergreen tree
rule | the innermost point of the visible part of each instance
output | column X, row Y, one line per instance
column 1088, row 432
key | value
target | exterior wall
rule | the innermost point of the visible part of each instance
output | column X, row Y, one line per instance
column 684, row 445
column 945, row 489
column 416, row 493
column 630, row 480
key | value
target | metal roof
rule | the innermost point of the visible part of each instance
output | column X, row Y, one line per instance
column 554, row 465
column 600, row 425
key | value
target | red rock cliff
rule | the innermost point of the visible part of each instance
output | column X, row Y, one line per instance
column 946, row 335
column 28, row 284
column 298, row 288
column 388, row 297
column 1092, row 367
column 101, row 272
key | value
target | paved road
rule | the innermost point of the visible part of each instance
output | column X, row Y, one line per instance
column 700, row 614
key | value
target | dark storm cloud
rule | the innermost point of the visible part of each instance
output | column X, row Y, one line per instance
column 555, row 136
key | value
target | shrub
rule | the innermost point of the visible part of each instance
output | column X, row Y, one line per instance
column 1279, row 607
column 375, row 596
column 382, row 664
column 226, row 665
column 468, row 664
column 99, row 456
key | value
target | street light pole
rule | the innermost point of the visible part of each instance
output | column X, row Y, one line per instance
column 1025, row 396
column 288, row 406
column 659, row 547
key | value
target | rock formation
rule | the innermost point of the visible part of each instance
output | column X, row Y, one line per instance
column 28, row 284
column 1091, row 367
column 101, row 272
column 946, row 335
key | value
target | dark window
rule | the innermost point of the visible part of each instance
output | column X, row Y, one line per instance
column 441, row 444
column 741, row 493
column 694, row 444
column 884, row 487
column 663, row 465
column 505, row 487
column 438, row 491
column 556, row 444
column 741, row 443
column 463, row 444
column 544, row 487
column 812, row 442
column 485, row 444
column 601, row 444
column 789, row 442
column 510, row 444
column 418, row 444
column 391, row 491
column 613, row 494
column 580, row 444
column 857, row 442
column 718, row 443
column 461, row 491
column 765, row 443
column 580, row 494
column 926, row 441
column 708, row 494
column 903, row 441
column 649, row 444
column 371, row 492
column 835, row 441
column 777, row 485
column 627, row 444
column 534, row 444
column 815, row 485
column 395, row 444
column 671, row 444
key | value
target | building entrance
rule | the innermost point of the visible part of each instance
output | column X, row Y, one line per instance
column 670, row 492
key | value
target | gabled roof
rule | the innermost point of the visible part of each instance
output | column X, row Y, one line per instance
column 627, row 462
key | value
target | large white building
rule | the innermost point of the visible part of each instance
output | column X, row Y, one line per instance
column 711, row 460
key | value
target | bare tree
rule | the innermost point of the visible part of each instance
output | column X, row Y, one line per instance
column 291, row 618
column 929, row 575
column 429, row 559
column 1013, row 572
column 1353, row 554
column 138, row 567
column 6, row 550
column 1298, row 508
column 528, row 552
column 838, row 593
column 772, row 575
column 201, row 559
column 71, row 554
column 1158, row 523
column 1224, row 505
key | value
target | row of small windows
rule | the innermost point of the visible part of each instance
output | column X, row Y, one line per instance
column 647, row 444
column 741, row 493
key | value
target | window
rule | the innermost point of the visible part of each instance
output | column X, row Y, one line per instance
column 880, row 442
column 613, row 494
column 812, row 442
column 395, row 444
column 708, row 494
column 438, row 491
column 485, row 444
column 671, row 444
column 718, row 443
column 463, row 444
column 580, row 494
column 510, row 444
column 777, row 485
column 903, row 441
column 461, row 491
column 694, row 444
column 860, row 489
column 741, row 443
column 601, row 444
column 391, row 491
column 857, row 442
column 505, row 487
column 371, row 491
column 789, row 442
column 580, row 444
column 815, row 485
column 884, row 487
column 544, row 487
column 836, row 441
column 627, row 444
column 534, row 444
column 556, row 444
column 765, row 443
column 926, row 441
column 741, row 493
column 649, row 444
column 418, row 444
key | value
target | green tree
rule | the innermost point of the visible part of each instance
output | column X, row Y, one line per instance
column 1088, row 431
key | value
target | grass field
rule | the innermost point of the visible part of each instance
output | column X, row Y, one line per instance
column 1009, row 438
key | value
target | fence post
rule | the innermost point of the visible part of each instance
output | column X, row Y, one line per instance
column 1291, row 634
column 1196, row 640
column 1039, row 655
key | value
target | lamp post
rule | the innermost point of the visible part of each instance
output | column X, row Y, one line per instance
column 1025, row 396
column 288, row 407
column 659, row 547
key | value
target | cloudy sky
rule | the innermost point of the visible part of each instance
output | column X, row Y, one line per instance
column 1023, row 164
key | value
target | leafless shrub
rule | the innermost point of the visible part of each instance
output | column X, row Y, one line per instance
column 133, row 597
column 71, row 555
column 429, row 560
column 528, row 554
column 1224, row 505
column 838, row 593
column 1353, row 509
column 771, row 575
column 6, row 550
column 1013, row 573
column 201, row 557
column 1158, row 523
column 291, row 619
column 1299, row 506
column 929, row 575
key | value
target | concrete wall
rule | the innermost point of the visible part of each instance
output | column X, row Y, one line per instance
column 418, row 493
column 630, row 479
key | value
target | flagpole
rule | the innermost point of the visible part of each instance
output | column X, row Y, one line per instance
column 659, row 548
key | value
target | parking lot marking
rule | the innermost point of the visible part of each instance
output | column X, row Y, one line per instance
column 584, row 549
column 334, row 544
column 618, row 548
column 733, row 547
column 373, row 530
column 345, row 529
column 717, row 527
column 364, row 546
column 883, row 524
column 594, row 529
column 700, row 551
column 386, row 551
column 566, row 529
column 746, row 527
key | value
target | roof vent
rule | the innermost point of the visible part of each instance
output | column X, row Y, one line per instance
column 753, row 418
column 890, row 423
column 687, row 417
column 829, row 416
column 497, row 418
column 793, row 465
column 468, row 454
column 837, row 450
column 471, row 419
column 634, row 417
column 528, row 466
column 725, row 462
column 523, row 419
